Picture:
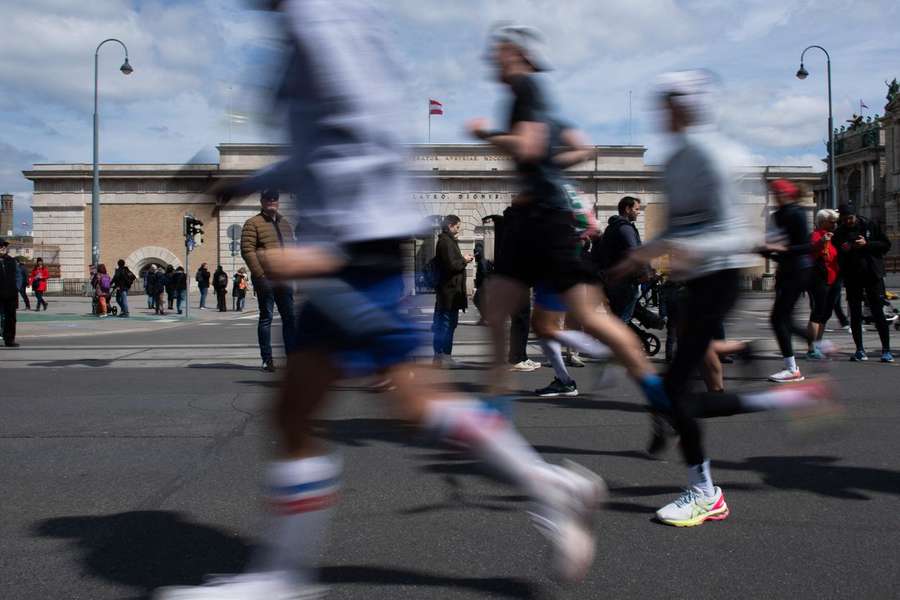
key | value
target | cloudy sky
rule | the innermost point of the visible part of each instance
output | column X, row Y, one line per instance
column 197, row 61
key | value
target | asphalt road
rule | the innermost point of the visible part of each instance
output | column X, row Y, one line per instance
column 119, row 477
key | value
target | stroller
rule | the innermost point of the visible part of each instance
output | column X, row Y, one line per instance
column 643, row 319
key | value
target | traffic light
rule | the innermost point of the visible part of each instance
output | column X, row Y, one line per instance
column 193, row 231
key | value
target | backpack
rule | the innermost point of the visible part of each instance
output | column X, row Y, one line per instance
column 430, row 273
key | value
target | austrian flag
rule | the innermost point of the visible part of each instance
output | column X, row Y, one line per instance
column 435, row 108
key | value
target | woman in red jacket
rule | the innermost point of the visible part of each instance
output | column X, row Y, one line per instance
column 39, row 277
column 825, row 285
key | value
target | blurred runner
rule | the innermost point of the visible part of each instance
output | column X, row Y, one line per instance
column 348, row 170
column 540, row 244
column 705, row 241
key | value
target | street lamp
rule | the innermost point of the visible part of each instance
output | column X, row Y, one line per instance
column 802, row 73
column 95, row 192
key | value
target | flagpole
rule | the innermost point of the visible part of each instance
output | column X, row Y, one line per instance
column 429, row 121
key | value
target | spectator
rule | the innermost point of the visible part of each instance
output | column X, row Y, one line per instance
column 122, row 281
column 483, row 269
column 102, row 285
column 239, row 289
column 179, row 288
column 450, row 295
column 620, row 237
column 9, row 295
column 22, row 283
column 156, row 283
column 265, row 231
column 146, row 279
column 169, row 285
column 39, row 277
column 825, row 283
column 203, row 276
column 861, row 246
column 220, row 285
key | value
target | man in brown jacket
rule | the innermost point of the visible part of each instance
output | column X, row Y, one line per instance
column 265, row 231
column 450, row 292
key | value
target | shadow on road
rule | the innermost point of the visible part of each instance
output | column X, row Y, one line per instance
column 75, row 362
column 819, row 475
column 224, row 367
column 146, row 550
column 149, row 549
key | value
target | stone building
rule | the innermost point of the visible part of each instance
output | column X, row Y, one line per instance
column 891, row 127
column 7, row 221
column 142, row 205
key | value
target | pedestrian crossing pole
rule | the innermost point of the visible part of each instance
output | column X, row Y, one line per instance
column 191, row 228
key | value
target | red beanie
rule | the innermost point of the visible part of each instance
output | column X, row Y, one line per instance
column 785, row 188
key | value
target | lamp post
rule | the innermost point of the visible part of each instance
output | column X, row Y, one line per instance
column 95, row 191
column 802, row 73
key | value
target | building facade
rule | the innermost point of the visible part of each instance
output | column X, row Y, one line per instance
column 142, row 205
column 891, row 126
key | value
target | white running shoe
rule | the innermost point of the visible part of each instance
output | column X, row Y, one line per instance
column 694, row 507
column 566, row 519
column 534, row 364
column 252, row 586
column 787, row 376
column 526, row 366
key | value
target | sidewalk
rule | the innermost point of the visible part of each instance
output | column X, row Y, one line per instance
column 69, row 316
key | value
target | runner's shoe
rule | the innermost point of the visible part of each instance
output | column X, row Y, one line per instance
column 557, row 388
column 693, row 508
column 887, row 357
column 566, row 519
column 573, row 360
column 859, row 356
column 255, row 586
column 815, row 354
column 526, row 366
column 787, row 376
column 534, row 364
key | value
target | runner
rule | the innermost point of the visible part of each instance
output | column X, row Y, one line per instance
column 704, row 239
column 539, row 245
column 347, row 166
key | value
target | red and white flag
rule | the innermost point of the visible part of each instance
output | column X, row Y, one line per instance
column 435, row 107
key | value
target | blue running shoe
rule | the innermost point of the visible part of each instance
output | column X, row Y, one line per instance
column 815, row 354
column 859, row 356
column 887, row 357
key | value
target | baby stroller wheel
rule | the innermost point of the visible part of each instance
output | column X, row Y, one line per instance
column 651, row 343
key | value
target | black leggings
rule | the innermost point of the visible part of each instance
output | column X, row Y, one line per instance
column 872, row 292
column 788, row 288
column 706, row 302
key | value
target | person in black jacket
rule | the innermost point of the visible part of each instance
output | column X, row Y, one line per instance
column 450, row 295
column 621, row 237
column 122, row 281
column 170, row 286
column 792, row 251
column 861, row 247
column 9, row 294
column 220, row 285
column 179, row 288
column 203, row 277
column 156, row 283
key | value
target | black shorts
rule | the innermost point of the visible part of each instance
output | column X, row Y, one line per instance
column 540, row 245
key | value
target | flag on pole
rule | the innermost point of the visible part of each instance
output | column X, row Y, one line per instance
column 435, row 107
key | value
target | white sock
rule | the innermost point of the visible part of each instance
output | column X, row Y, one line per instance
column 583, row 343
column 553, row 351
column 700, row 478
column 300, row 494
column 489, row 435
column 779, row 398
column 790, row 363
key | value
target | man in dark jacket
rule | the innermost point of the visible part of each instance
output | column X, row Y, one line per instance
column 9, row 294
column 179, row 287
column 203, row 276
column 122, row 281
column 156, row 283
column 861, row 246
column 450, row 294
column 620, row 237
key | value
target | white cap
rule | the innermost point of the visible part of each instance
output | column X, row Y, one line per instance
column 527, row 39
column 693, row 90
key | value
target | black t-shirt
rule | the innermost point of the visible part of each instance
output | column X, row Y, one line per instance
column 543, row 181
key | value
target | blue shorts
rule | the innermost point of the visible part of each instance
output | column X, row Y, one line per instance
column 548, row 300
column 357, row 319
